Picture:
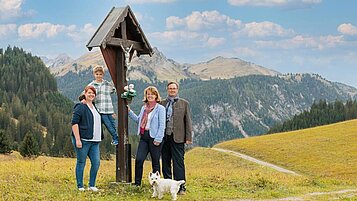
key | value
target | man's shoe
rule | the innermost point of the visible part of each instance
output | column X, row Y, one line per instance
column 81, row 189
column 94, row 189
column 115, row 142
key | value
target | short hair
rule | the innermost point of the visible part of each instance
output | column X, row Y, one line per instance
column 153, row 90
column 172, row 82
column 98, row 68
column 91, row 88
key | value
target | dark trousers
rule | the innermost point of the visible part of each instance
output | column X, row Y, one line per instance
column 146, row 145
column 175, row 152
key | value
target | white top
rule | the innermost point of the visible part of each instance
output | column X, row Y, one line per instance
column 97, row 127
column 147, row 127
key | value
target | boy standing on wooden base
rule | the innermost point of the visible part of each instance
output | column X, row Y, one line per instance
column 103, row 102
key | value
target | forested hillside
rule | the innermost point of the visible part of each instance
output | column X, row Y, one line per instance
column 31, row 105
column 320, row 113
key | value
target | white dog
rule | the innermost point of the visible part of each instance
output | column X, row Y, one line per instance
column 162, row 186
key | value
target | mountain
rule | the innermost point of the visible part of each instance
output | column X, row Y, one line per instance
column 160, row 68
column 224, row 109
column 230, row 98
column 226, row 68
column 60, row 60
column 31, row 104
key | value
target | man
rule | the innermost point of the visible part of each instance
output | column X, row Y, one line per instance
column 178, row 132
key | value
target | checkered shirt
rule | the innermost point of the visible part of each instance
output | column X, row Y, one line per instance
column 103, row 100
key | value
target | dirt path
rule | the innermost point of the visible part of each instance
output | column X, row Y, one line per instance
column 333, row 195
column 280, row 169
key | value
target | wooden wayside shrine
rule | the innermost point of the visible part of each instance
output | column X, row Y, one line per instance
column 119, row 30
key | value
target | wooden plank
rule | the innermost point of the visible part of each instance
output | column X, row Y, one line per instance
column 138, row 46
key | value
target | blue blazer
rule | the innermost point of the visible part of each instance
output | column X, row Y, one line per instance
column 85, row 120
column 157, row 123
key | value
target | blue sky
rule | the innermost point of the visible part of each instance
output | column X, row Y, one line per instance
column 297, row 36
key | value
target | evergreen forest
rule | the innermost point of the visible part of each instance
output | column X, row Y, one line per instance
column 320, row 113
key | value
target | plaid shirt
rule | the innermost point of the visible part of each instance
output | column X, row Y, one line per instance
column 103, row 100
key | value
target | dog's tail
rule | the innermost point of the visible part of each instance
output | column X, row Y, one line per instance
column 181, row 182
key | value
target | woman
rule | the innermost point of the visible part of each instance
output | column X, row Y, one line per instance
column 151, row 127
column 86, row 135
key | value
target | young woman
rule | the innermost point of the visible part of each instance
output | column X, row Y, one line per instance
column 151, row 127
column 86, row 135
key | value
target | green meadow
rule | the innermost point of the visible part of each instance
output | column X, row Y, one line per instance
column 324, row 156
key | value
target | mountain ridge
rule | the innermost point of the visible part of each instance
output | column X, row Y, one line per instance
column 159, row 67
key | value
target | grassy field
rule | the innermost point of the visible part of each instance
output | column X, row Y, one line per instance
column 322, row 152
column 325, row 156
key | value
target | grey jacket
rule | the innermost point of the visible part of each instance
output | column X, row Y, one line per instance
column 182, row 125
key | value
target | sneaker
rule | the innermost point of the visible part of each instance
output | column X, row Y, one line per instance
column 115, row 142
column 94, row 189
column 81, row 189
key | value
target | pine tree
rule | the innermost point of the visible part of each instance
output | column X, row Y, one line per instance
column 29, row 146
column 4, row 143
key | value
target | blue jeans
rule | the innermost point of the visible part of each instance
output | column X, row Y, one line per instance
column 90, row 149
column 109, row 122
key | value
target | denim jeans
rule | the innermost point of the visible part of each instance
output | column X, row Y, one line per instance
column 109, row 122
column 90, row 149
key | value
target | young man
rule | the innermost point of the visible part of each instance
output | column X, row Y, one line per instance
column 178, row 132
column 103, row 101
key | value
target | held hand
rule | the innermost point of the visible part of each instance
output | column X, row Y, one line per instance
column 156, row 143
column 188, row 142
column 128, row 108
column 114, row 116
column 84, row 101
column 78, row 144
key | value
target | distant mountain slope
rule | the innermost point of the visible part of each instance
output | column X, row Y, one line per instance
column 325, row 151
column 160, row 68
column 226, row 68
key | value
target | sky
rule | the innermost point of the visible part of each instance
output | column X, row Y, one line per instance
column 289, row 36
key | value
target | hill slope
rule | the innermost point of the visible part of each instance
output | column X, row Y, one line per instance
column 326, row 151
column 30, row 103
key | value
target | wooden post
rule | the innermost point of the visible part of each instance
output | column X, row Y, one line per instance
column 122, row 118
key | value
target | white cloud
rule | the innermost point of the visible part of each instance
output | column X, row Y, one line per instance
column 214, row 42
column 264, row 29
column 271, row 3
column 10, row 9
column 299, row 41
column 188, row 38
column 148, row 1
column 203, row 20
column 83, row 34
column 171, row 36
column 7, row 30
column 347, row 29
column 28, row 31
